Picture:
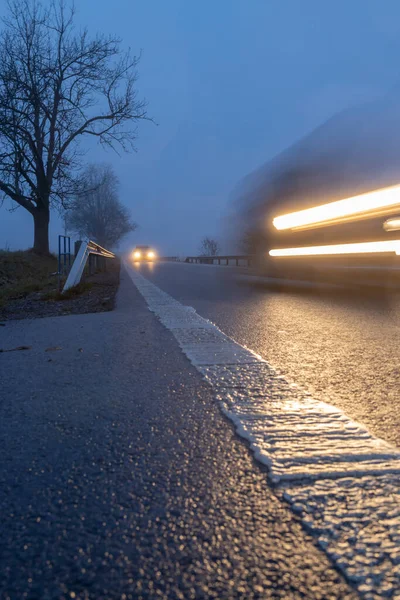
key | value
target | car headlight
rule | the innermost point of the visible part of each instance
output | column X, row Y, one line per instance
column 150, row 254
column 137, row 254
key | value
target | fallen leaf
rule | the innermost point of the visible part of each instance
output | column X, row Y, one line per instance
column 53, row 349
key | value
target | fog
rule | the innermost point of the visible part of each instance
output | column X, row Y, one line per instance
column 230, row 85
column 355, row 151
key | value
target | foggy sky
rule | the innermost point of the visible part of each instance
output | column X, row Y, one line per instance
column 230, row 83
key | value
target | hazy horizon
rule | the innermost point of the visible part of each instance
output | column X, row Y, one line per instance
column 229, row 85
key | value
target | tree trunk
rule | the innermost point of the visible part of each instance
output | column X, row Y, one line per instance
column 41, row 220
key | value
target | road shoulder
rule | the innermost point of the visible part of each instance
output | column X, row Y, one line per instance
column 121, row 476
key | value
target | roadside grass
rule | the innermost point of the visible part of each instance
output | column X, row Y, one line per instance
column 77, row 290
column 29, row 288
column 24, row 272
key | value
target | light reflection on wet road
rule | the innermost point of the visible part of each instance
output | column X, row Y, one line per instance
column 343, row 348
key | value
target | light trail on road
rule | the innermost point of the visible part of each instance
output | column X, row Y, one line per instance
column 372, row 203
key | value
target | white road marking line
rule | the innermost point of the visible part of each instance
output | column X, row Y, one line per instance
column 336, row 476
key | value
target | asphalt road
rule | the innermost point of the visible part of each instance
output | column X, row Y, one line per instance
column 342, row 347
column 121, row 479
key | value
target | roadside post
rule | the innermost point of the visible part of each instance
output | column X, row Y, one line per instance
column 64, row 257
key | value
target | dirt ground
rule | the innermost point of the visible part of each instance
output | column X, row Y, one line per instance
column 96, row 293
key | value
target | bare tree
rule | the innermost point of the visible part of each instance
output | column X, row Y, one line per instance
column 209, row 247
column 57, row 85
column 252, row 240
column 98, row 214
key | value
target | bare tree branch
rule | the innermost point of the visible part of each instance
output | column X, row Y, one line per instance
column 58, row 85
column 209, row 247
column 97, row 213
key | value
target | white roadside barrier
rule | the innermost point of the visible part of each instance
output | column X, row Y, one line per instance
column 85, row 250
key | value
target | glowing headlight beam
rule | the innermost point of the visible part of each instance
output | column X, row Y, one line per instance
column 392, row 224
column 137, row 254
column 358, row 248
column 370, row 204
column 150, row 254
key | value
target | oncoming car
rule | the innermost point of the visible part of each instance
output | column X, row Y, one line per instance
column 144, row 253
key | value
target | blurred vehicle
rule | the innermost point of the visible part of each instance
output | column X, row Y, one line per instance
column 144, row 253
column 355, row 241
column 328, row 208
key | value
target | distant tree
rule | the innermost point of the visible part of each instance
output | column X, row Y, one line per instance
column 209, row 247
column 97, row 214
column 252, row 241
column 57, row 85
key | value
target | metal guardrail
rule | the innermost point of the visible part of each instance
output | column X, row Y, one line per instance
column 86, row 249
column 227, row 260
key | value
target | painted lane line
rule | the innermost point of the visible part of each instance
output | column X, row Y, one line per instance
column 342, row 481
column 356, row 521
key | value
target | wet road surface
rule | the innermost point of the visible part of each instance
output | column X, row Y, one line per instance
column 120, row 478
column 343, row 348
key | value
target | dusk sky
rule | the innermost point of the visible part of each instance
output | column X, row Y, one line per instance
column 230, row 83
